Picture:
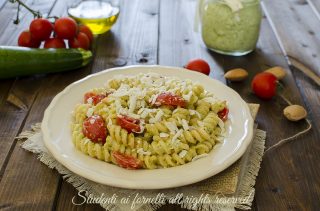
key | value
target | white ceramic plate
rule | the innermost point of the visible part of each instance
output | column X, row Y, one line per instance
column 57, row 135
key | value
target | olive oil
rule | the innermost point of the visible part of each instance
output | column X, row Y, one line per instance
column 99, row 16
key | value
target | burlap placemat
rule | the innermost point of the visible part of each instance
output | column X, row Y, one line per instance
column 232, row 188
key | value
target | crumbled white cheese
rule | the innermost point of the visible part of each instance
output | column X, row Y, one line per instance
column 222, row 126
column 175, row 140
column 132, row 103
column 90, row 100
column 142, row 152
column 133, row 115
column 86, row 141
column 200, row 123
column 90, row 112
column 172, row 127
column 188, row 96
column 197, row 157
column 153, row 99
column 185, row 124
column 117, row 103
column 92, row 121
column 163, row 135
column 157, row 118
column 183, row 153
column 109, row 122
column 193, row 112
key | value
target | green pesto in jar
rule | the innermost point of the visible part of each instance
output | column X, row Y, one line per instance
column 231, row 32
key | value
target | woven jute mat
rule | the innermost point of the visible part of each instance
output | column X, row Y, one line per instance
column 232, row 188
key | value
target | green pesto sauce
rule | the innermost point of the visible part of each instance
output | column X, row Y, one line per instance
column 231, row 32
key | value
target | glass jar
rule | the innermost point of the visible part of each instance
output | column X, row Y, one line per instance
column 98, row 15
column 230, row 27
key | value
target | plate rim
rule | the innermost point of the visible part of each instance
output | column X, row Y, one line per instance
column 73, row 168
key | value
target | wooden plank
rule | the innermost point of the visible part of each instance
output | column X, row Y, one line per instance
column 2, row 3
column 12, row 117
column 178, row 42
column 299, row 39
column 296, row 192
column 315, row 6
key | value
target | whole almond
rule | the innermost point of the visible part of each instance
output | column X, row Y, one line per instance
column 277, row 71
column 237, row 74
column 295, row 112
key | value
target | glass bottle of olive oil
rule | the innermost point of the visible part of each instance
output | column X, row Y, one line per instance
column 98, row 15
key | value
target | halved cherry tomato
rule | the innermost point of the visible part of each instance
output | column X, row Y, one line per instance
column 129, row 124
column 223, row 114
column 94, row 129
column 170, row 99
column 126, row 161
column 93, row 98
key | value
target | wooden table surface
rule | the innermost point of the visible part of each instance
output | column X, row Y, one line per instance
column 161, row 32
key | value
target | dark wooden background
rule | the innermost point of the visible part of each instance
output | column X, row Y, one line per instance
column 161, row 32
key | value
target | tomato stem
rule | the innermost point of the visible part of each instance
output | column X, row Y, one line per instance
column 36, row 14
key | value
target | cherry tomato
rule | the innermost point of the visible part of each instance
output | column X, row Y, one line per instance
column 93, row 98
column 129, row 124
column 85, row 29
column 40, row 29
column 54, row 43
column 126, row 161
column 65, row 28
column 94, row 129
column 223, row 114
column 26, row 40
column 80, row 41
column 199, row 65
column 170, row 99
column 264, row 85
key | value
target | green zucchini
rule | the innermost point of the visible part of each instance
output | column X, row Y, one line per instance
column 21, row 61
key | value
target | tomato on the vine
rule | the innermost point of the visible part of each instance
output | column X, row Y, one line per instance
column 126, row 161
column 94, row 129
column 129, row 124
column 198, row 65
column 40, row 29
column 264, row 85
column 170, row 100
column 54, row 43
column 27, row 40
column 85, row 29
column 80, row 41
column 65, row 28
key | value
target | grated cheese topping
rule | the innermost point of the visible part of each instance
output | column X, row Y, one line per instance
column 163, row 135
column 172, row 127
column 90, row 112
column 142, row 152
column 183, row 153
